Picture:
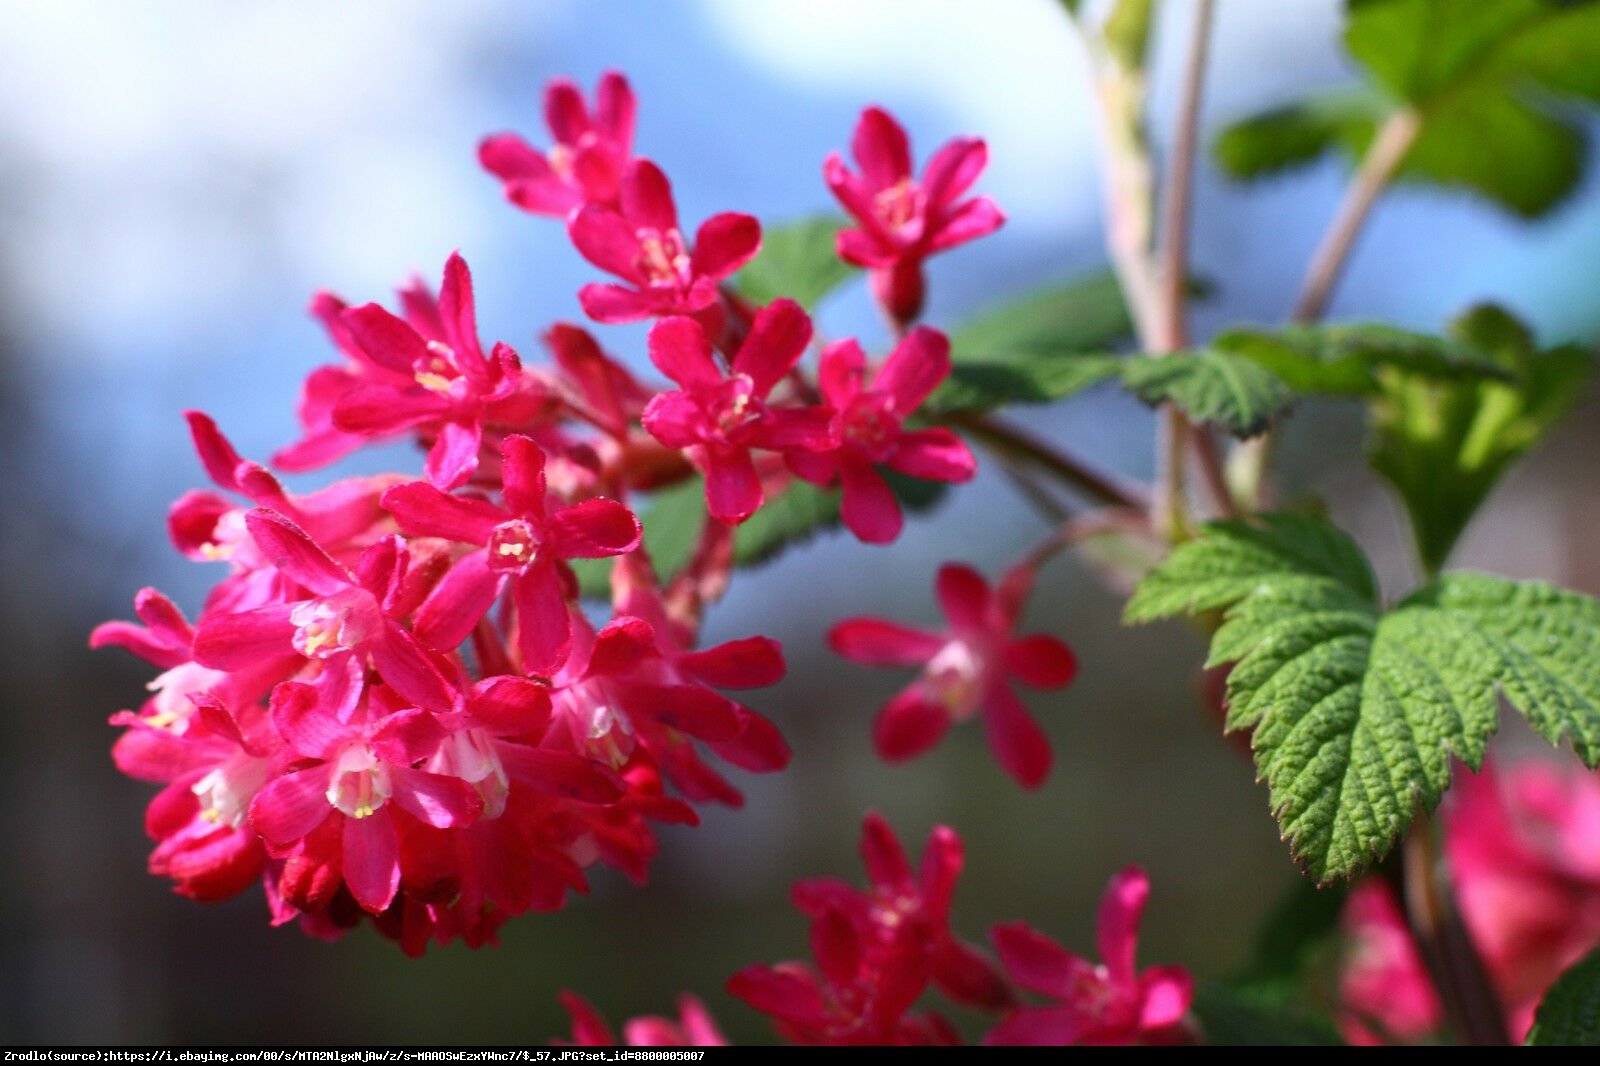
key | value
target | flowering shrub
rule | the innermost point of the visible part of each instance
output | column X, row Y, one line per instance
column 394, row 708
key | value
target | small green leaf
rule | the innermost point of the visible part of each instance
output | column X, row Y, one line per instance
column 1082, row 316
column 1344, row 360
column 1027, row 377
column 1043, row 347
column 1211, row 385
column 1356, row 713
column 1127, row 31
column 1569, row 1014
column 797, row 261
column 1444, row 444
column 1481, row 76
column 1235, row 1017
column 1298, row 133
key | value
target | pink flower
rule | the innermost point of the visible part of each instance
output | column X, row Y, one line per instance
column 1384, row 990
column 585, row 164
column 965, row 669
column 523, row 545
column 905, row 908
column 871, row 433
column 640, row 242
column 718, row 418
column 1108, row 1003
column 903, row 221
column 694, row 1028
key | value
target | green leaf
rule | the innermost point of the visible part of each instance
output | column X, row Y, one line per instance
column 1357, row 713
column 1344, row 360
column 1082, row 316
column 1211, row 385
column 1043, row 347
column 797, row 261
column 1482, row 77
column 1027, row 377
column 1127, row 31
column 1569, row 1014
column 1296, row 134
column 1444, row 444
column 1236, row 1018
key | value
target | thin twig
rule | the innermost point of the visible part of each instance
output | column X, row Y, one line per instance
column 1013, row 440
column 1470, row 1004
column 1170, row 329
column 1388, row 150
column 1177, row 194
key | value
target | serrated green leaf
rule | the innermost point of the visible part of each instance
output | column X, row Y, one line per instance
column 1356, row 713
column 1211, row 385
column 1082, row 316
column 1569, row 1014
column 1480, row 75
column 797, row 261
column 1444, row 445
column 1235, row 1017
column 1344, row 360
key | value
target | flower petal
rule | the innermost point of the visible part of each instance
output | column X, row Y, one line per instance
column 424, row 511
column 909, row 725
column 594, row 529
column 544, row 625
column 724, row 243
column 775, row 343
column 914, row 369
column 880, row 148
column 869, row 507
column 876, row 642
column 289, row 807
column 934, row 454
column 753, row 662
column 1041, row 661
column 372, row 860
column 1018, row 743
column 463, row 596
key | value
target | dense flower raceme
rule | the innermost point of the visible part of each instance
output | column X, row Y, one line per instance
column 901, row 221
column 1523, row 842
column 965, row 670
column 390, row 707
column 876, row 952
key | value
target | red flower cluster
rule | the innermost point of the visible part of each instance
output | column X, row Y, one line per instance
column 390, row 706
column 876, row 952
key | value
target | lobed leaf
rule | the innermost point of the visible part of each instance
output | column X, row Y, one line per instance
column 1357, row 713
column 1211, row 385
column 1346, row 359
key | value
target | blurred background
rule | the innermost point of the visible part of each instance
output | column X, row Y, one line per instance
column 178, row 177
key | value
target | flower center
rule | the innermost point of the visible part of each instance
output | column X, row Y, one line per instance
column 871, row 425
column 226, row 791
column 469, row 755
column 437, row 372
column 513, row 546
column 736, row 407
column 899, row 205
column 341, row 622
column 954, row 677
column 360, row 784
column 663, row 259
